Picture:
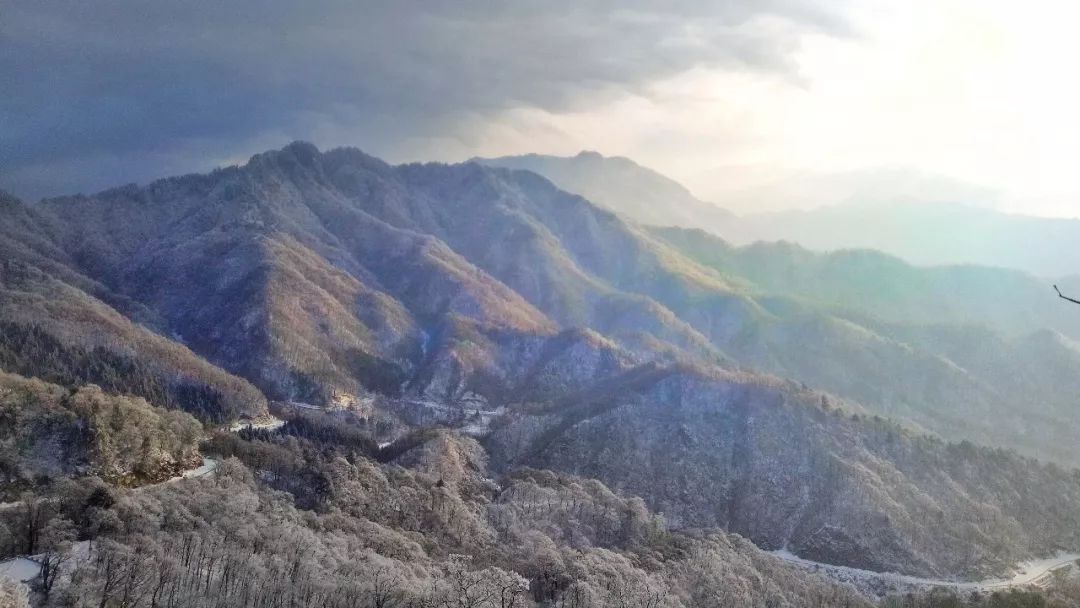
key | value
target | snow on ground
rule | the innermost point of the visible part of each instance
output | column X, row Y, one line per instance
column 209, row 465
column 478, row 420
column 20, row 569
column 303, row 406
column 442, row 407
column 269, row 424
column 25, row 568
column 1028, row 573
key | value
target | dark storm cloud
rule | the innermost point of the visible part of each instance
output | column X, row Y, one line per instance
column 101, row 92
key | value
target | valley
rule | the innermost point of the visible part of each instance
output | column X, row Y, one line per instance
column 431, row 361
column 516, row 304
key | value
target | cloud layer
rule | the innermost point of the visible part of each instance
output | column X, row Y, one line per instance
column 121, row 90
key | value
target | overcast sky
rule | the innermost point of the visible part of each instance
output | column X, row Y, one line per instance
column 750, row 103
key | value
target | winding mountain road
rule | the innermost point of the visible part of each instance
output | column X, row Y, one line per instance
column 1034, row 572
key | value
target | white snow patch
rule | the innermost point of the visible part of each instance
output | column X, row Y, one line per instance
column 20, row 569
column 209, row 465
column 304, row 406
column 269, row 424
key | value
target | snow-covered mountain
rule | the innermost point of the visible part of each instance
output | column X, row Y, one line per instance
column 664, row 363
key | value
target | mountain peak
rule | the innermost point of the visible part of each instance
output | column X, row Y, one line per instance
column 302, row 150
column 620, row 185
column 590, row 154
column 7, row 197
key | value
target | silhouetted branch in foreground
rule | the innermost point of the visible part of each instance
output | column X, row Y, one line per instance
column 1063, row 297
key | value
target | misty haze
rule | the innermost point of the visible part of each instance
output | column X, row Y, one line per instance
column 539, row 305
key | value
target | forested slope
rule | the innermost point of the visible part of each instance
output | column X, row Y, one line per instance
column 390, row 298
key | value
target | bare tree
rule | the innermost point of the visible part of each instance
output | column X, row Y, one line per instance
column 1064, row 297
column 458, row 586
column 384, row 585
column 35, row 515
column 56, row 541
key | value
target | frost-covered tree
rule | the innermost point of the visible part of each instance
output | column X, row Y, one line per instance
column 56, row 544
column 458, row 585
column 13, row 594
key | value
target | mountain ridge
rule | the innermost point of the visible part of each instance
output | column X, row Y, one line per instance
column 335, row 279
column 619, row 184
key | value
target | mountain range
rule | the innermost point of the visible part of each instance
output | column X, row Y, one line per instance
column 924, row 233
column 831, row 404
column 871, row 211
column 621, row 185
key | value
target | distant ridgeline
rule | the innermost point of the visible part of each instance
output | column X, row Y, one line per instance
column 806, row 401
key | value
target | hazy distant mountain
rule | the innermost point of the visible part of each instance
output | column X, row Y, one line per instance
column 762, row 189
column 976, row 325
column 882, row 211
column 852, row 325
column 871, row 283
column 923, row 233
column 336, row 279
column 621, row 185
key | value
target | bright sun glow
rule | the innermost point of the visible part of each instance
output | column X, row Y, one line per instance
column 977, row 92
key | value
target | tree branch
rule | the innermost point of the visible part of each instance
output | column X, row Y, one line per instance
column 1065, row 297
